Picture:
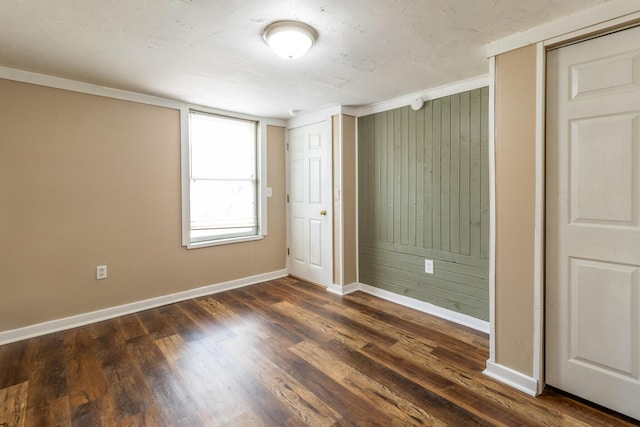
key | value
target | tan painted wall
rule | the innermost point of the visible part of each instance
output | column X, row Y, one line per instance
column 344, row 144
column 336, row 138
column 87, row 180
column 515, row 107
column 349, row 201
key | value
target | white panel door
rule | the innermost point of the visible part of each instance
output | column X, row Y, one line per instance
column 310, row 204
column 593, row 220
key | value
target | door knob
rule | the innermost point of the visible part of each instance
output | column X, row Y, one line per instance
column 323, row 212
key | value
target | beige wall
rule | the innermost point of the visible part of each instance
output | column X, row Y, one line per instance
column 344, row 145
column 349, row 201
column 336, row 138
column 515, row 112
column 87, row 180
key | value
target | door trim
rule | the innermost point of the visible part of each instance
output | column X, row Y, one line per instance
column 540, row 209
column 540, row 213
column 601, row 18
column 535, row 384
column 492, row 212
column 562, row 283
column 565, row 30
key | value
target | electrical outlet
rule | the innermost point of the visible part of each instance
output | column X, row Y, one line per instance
column 428, row 266
column 101, row 272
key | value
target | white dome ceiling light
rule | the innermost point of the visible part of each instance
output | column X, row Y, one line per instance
column 289, row 39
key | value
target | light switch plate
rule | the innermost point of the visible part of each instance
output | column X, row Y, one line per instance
column 101, row 272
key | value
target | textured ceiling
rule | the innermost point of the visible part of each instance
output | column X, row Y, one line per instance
column 211, row 52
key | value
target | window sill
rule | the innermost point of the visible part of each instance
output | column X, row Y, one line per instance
column 207, row 243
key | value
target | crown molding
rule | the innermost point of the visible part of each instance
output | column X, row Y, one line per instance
column 606, row 15
column 426, row 95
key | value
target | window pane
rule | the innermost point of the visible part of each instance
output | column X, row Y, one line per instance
column 222, row 148
column 223, row 204
column 223, row 185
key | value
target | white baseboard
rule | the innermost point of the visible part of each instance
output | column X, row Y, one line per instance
column 512, row 378
column 342, row 290
column 121, row 310
column 425, row 307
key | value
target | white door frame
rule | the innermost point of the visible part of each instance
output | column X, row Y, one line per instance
column 539, row 219
column 578, row 241
column 540, row 207
column 599, row 20
column 298, row 123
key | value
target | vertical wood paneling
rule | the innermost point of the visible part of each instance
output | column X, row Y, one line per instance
column 424, row 193
column 484, row 169
column 436, row 177
column 445, row 174
column 428, row 176
column 420, row 165
column 397, row 172
column 404, row 178
column 454, row 223
column 390, row 172
column 465, row 169
column 363, row 164
column 381, row 177
column 475, row 185
column 413, row 178
column 373, row 197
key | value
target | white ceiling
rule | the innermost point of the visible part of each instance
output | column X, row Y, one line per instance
column 211, row 52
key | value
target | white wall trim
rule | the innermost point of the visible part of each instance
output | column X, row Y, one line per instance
column 270, row 121
column 599, row 28
column 331, row 202
column 185, row 167
column 121, row 310
column 349, row 111
column 512, row 378
column 343, row 290
column 437, row 92
column 310, row 118
column 108, row 92
column 87, row 88
column 425, row 307
column 539, row 230
column 263, row 168
column 605, row 15
column 492, row 210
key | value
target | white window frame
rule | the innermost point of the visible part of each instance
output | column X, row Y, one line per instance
column 261, row 185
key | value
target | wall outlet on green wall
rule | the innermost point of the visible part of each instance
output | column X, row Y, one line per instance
column 428, row 266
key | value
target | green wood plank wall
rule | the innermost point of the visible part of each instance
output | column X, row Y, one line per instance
column 424, row 194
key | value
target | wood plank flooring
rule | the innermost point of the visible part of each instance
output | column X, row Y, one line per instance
column 280, row 353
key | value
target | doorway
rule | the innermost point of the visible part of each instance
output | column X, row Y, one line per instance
column 593, row 220
column 309, row 203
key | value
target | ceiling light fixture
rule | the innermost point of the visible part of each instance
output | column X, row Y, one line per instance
column 289, row 39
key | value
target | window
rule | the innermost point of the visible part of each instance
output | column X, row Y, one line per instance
column 223, row 187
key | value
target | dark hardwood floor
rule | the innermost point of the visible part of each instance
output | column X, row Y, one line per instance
column 281, row 353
